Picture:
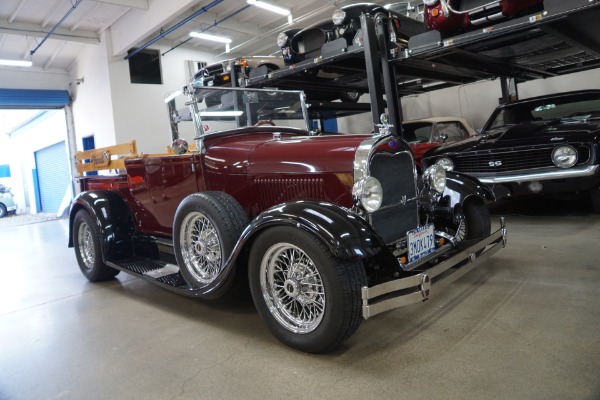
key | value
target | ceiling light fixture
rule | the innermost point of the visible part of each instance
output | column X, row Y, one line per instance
column 214, row 38
column 270, row 7
column 16, row 63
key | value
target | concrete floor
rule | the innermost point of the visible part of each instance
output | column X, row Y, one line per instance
column 524, row 326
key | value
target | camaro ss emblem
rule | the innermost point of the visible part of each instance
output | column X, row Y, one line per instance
column 495, row 163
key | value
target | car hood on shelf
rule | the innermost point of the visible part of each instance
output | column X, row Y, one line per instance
column 523, row 135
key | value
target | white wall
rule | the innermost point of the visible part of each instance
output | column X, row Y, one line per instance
column 92, row 100
column 140, row 112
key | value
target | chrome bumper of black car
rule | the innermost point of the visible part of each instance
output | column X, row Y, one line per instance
column 420, row 287
column 541, row 176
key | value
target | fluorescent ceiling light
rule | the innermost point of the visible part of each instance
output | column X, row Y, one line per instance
column 269, row 7
column 214, row 38
column 16, row 63
column 173, row 95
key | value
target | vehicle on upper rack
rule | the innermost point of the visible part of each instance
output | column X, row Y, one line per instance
column 306, row 44
column 428, row 133
column 221, row 73
column 325, row 229
column 7, row 202
column 541, row 145
column 460, row 15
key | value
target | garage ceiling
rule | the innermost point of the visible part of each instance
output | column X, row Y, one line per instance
column 25, row 23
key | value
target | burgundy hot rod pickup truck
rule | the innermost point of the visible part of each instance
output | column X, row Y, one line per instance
column 327, row 230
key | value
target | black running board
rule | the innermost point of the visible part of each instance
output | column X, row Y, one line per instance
column 161, row 273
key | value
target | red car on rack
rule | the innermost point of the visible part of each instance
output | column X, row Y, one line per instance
column 457, row 15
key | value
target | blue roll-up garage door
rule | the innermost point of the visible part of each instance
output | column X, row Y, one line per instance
column 53, row 176
column 26, row 98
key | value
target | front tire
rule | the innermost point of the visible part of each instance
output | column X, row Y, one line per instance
column 595, row 199
column 87, row 239
column 309, row 299
column 3, row 211
column 477, row 219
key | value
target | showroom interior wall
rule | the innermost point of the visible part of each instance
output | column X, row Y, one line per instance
column 140, row 112
column 112, row 109
column 91, row 95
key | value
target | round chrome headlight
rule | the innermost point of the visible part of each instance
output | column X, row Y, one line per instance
column 338, row 17
column 564, row 156
column 445, row 163
column 429, row 2
column 435, row 176
column 282, row 39
column 369, row 192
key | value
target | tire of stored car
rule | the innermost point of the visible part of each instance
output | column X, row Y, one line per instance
column 309, row 299
column 3, row 211
column 595, row 199
column 206, row 228
column 350, row 97
column 86, row 239
column 477, row 219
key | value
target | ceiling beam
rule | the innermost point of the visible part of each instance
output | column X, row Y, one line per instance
column 14, row 14
column 28, row 29
column 141, row 4
column 110, row 23
column 83, row 18
column 55, row 53
column 51, row 14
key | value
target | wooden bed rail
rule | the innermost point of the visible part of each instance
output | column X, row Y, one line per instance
column 111, row 157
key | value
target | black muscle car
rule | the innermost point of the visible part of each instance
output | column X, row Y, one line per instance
column 542, row 145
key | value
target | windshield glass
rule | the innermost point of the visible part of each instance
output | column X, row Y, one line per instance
column 568, row 108
column 217, row 109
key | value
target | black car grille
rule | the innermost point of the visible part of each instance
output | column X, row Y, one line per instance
column 517, row 160
column 395, row 173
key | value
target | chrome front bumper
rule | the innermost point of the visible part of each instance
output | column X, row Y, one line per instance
column 421, row 286
column 541, row 176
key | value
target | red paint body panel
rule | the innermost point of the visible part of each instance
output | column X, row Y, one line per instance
column 455, row 21
column 255, row 168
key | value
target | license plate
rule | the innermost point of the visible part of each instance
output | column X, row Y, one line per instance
column 421, row 242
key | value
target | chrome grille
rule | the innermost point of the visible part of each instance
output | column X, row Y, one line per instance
column 519, row 160
column 395, row 173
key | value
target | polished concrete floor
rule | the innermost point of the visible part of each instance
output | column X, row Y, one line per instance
column 524, row 326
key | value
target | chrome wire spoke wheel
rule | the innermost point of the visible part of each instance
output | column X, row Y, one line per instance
column 86, row 245
column 201, row 247
column 292, row 288
column 461, row 230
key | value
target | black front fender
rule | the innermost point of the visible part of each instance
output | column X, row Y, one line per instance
column 112, row 216
column 345, row 233
column 461, row 186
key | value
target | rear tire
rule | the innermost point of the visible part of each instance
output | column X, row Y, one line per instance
column 88, row 250
column 309, row 299
column 205, row 230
